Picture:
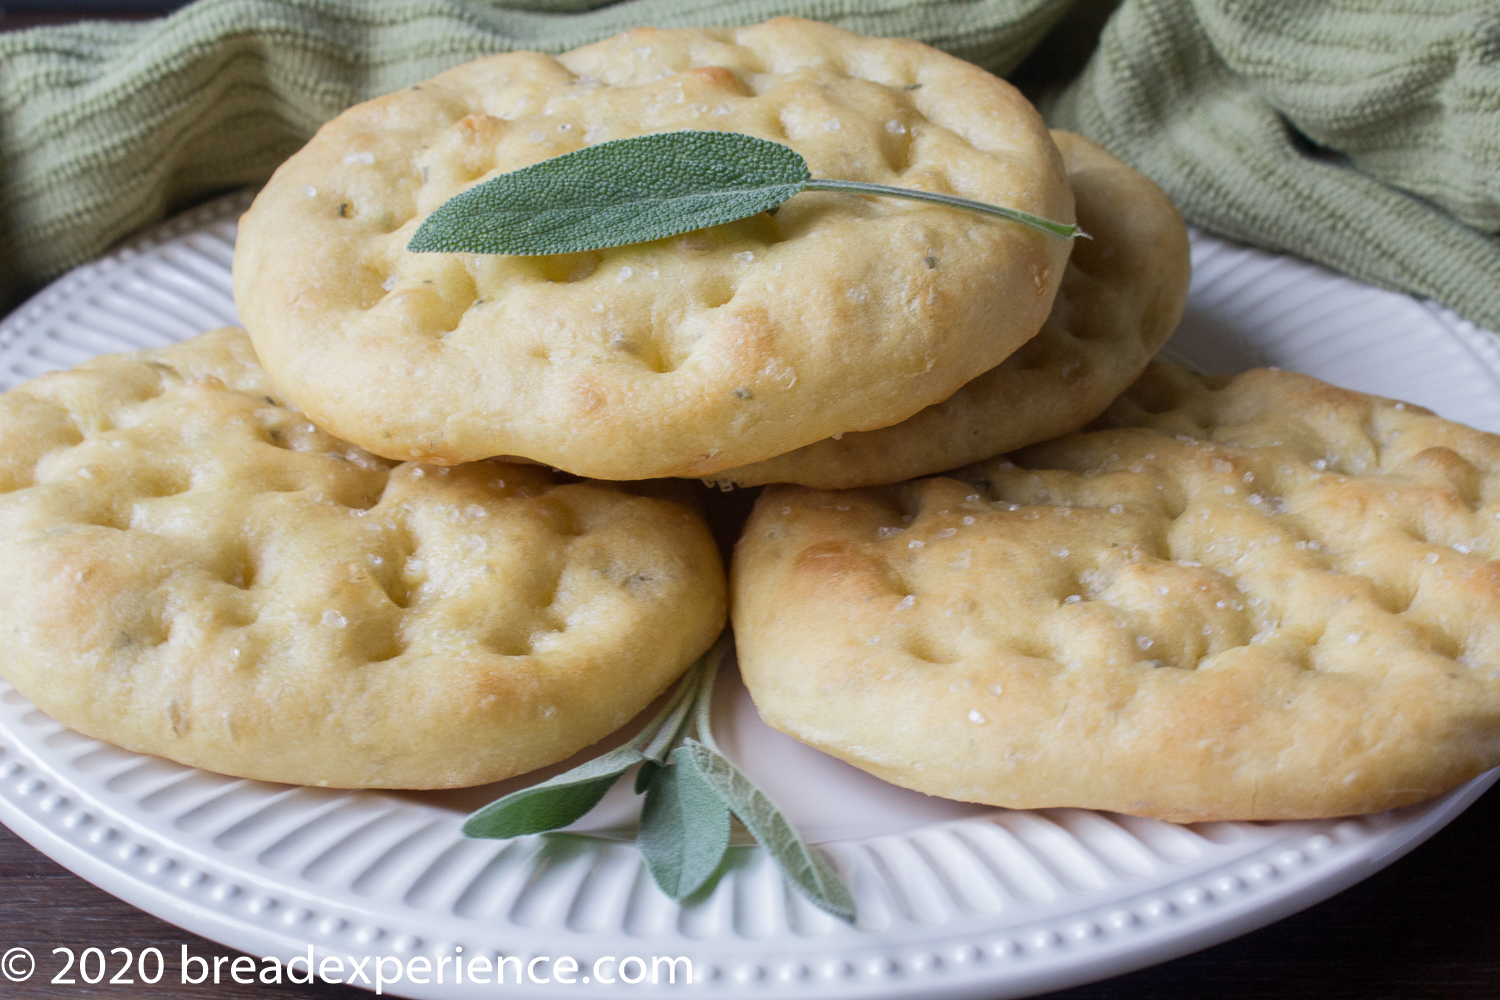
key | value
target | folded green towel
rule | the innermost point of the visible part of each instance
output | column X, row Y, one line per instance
column 1362, row 135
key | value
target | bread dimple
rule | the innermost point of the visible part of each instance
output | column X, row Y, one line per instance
column 1121, row 297
column 196, row 571
column 1256, row 598
column 683, row 356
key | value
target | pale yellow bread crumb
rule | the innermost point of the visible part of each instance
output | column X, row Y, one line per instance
column 683, row 356
column 1121, row 297
column 1256, row 598
column 194, row 571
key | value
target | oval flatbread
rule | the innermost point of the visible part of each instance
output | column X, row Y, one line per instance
column 1252, row 598
column 1121, row 297
column 680, row 357
column 195, row 571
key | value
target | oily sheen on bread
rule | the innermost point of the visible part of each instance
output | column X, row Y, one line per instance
column 683, row 356
column 194, row 570
column 1121, row 297
column 1252, row 598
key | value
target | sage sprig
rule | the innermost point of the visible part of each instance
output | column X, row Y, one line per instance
column 813, row 876
column 691, row 791
column 648, row 187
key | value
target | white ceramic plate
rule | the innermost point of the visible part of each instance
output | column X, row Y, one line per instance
column 954, row 900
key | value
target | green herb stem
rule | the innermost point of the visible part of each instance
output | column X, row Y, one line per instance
column 683, row 701
column 947, row 200
column 703, row 716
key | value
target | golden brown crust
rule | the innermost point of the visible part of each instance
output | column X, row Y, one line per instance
column 683, row 356
column 1120, row 299
column 194, row 571
column 1257, row 598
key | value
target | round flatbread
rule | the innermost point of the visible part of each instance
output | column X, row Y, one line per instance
column 1252, row 598
column 683, row 356
column 194, row 570
column 1120, row 299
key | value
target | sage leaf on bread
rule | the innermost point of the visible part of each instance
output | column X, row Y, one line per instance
column 684, row 827
column 627, row 191
column 648, row 187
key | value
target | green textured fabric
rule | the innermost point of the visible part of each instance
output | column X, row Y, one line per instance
column 1360, row 134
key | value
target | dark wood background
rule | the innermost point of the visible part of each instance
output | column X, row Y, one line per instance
column 1427, row 927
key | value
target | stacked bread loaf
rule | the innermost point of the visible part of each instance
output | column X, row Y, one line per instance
column 398, row 534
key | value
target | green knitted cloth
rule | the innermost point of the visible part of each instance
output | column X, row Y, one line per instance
column 1360, row 134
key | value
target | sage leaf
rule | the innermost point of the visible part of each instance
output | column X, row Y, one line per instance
column 626, row 191
column 567, row 797
column 809, row 873
column 648, row 187
column 684, row 829
column 554, row 803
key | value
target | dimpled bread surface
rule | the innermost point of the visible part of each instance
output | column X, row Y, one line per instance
column 194, row 571
column 1253, row 598
column 683, row 356
column 1120, row 299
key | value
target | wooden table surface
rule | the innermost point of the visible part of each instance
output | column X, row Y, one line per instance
column 1426, row 927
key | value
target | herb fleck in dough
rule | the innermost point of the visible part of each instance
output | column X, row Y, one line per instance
column 681, row 357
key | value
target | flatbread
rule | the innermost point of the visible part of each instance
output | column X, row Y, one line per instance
column 680, row 357
column 1254, row 598
column 194, row 570
column 1121, row 297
